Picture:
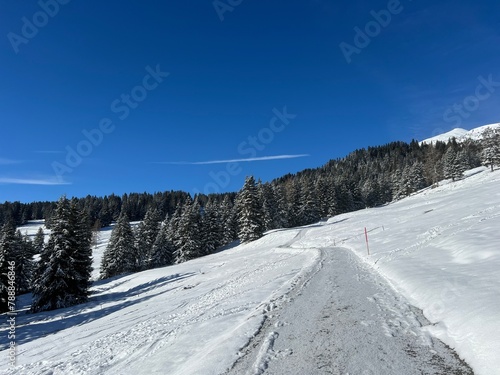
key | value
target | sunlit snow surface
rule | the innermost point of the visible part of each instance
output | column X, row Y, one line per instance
column 461, row 134
column 439, row 248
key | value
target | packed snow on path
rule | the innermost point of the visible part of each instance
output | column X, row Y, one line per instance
column 347, row 320
column 439, row 251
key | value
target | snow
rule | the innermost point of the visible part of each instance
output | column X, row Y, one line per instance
column 461, row 134
column 438, row 250
column 346, row 323
column 187, row 319
column 31, row 228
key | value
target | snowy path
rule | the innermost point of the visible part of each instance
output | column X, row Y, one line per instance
column 346, row 320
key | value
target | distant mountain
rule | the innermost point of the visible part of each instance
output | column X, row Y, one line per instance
column 461, row 134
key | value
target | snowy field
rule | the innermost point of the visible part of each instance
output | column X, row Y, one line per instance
column 438, row 248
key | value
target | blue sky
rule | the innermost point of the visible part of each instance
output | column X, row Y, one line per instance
column 113, row 97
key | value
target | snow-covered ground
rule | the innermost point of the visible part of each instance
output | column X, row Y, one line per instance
column 440, row 249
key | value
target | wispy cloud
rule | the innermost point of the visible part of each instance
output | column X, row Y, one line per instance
column 246, row 160
column 4, row 161
column 32, row 181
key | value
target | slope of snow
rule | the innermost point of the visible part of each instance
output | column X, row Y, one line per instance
column 461, row 134
column 191, row 318
column 31, row 228
column 439, row 248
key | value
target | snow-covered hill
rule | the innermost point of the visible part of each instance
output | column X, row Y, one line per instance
column 461, row 134
column 439, row 249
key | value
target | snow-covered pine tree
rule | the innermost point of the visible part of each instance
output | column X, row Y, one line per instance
column 450, row 163
column 8, row 247
column 4, row 282
column 491, row 151
column 345, row 199
column 411, row 180
column 269, row 207
column 371, row 192
column 462, row 163
column 120, row 254
column 188, row 238
column 321, row 191
column 25, row 266
column 162, row 252
column 146, row 236
column 281, row 206
column 82, row 257
column 62, row 278
column 19, row 249
column 211, row 227
column 39, row 241
column 292, row 192
column 228, row 221
column 308, row 209
column 249, row 211
column 416, row 177
column 175, row 220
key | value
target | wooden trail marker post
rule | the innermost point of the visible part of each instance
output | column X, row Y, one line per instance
column 366, row 238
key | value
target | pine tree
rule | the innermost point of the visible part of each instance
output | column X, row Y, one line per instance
column 39, row 241
column 269, row 207
column 249, row 212
column 82, row 256
column 146, row 235
column 292, row 191
column 63, row 276
column 24, row 264
column 462, row 163
column 4, row 281
column 162, row 253
column 188, row 240
column 308, row 209
column 281, row 207
column 228, row 221
column 120, row 254
column 371, row 193
column 491, row 152
column 8, row 248
column 416, row 177
column 450, row 164
column 18, row 249
column 321, row 191
column 211, row 228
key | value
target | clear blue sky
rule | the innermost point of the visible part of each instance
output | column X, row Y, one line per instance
column 101, row 67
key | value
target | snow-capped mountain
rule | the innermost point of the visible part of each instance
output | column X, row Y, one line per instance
column 461, row 134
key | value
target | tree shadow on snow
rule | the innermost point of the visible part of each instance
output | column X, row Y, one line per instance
column 30, row 327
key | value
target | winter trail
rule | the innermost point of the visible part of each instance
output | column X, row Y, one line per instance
column 346, row 320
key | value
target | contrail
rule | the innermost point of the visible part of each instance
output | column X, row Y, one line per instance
column 262, row 158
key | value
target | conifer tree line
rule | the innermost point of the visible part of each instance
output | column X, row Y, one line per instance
column 175, row 227
column 101, row 210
